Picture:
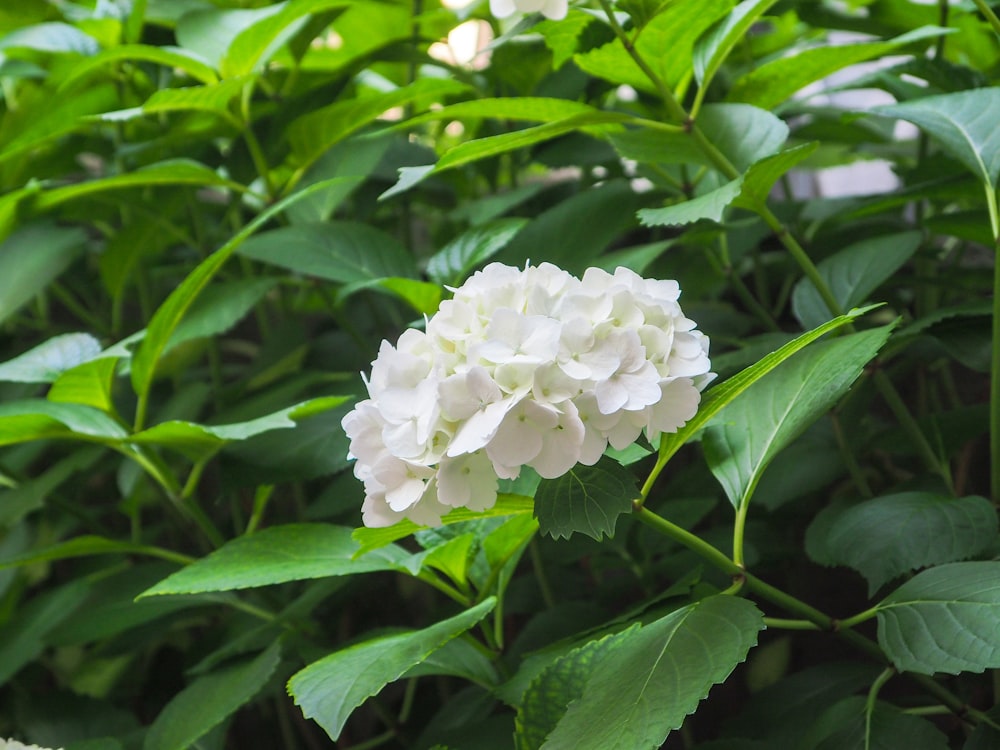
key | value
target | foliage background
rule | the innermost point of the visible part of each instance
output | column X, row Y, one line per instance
column 213, row 212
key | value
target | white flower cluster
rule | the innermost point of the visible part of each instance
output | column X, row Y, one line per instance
column 15, row 745
column 554, row 10
column 526, row 367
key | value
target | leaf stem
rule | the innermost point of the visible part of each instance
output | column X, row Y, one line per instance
column 991, row 201
column 887, row 674
column 988, row 13
column 778, row 623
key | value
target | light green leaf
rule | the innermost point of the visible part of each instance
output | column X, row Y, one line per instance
column 209, row 33
column 587, row 499
column 456, row 260
column 772, row 83
column 199, row 442
column 31, row 259
column 964, row 123
column 313, row 133
column 458, row 658
column 853, row 273
column 562, row 36
column 252, row 47
column 714, row 47
column 549, row 695
column 762, row 175
column 166, row 319
column 55, row 37
column 887, row 536
column 675, row 29
column 170, row 57
column 172, row 172
column 213, row 97
column 340, row 251
column 422, row 296
column 709, row 206
column 723, row 394
column 89, row 384
column 506, row 505
column 278, row 554
column 945, row 619
column 646, row 686
column 330, row 689
column 37, row 419
column 742, row 441
column 207, row 701
column 49, row 360
column 88, row 545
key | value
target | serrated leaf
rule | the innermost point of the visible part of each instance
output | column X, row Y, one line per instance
column 562, row 36
column 670, row 664
column 199, row 441
column 549, row 695
column 772, row 83
column 713, row 48
column 710, row 205
column 50, row 359
column 742, row 441
column 207, row 701
column 455, row 261
column 587, row 499
column 964, row 123
column 342, row 251
column 881, row 726
column 292, row 552
column 723, row 394
column 853, row 273
column 330, row 689
column 762, row 175
column 887, row 536
column 675, row 29
column 945, row 619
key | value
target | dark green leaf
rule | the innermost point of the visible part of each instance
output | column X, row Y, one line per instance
column 884, row 728
column 31, row 259
column 713, row 48
column 587, row 499
column 456, row 260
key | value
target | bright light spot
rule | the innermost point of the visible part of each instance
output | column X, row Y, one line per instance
column 465, row 46
column 454, row 128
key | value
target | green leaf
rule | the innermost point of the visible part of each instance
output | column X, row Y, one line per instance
column 644, row 688
column 52, row 37
column 855, row 725
column 456, row 260
column 753, row 429
column 506, row 505
column 516, row 109
column 31, row 494
column 166, row 319
column 199, row 442
column 714, row 47
column 170, row 57
column 772, row 83
column 963, row 123
column 709, row 206
column 340, row 251
column 458, row 658
column 214, row 98
column 49, row 360
column 220, row 308
column 887, row 536
column 37, row 419
column 88, row 545
column 853, row 273
column 562, row 37
column 422, row 296
column 209, row 33
column 207, row 701
column 587, row 499
column 313, row 133
column 549, row 695
column 89, row 384
column 252, row 47
column 330, row 689
column 676, row 29
column 945, row 619
column 31, row 259
column 721, row 395
column 278, row 554
column 762, row 175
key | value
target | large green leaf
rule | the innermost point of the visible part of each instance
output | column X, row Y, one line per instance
column 586, row 499
column 456, row 260
column 945, row 619
column 170, row 57
column 209, row 32
column 675, row 29
column 713, row 48
column 221, row 307
column 90, row 384
column 772, row 83
column 330, row 689
column 963, row 122
column 894, row 534
column 549, row 695
column 341, row 251
column 646, row 686
column 207, row 701
column 853, row 723
column 292, row 552
column 37, row 419
column 52, row 37
column 742, row 441
column 853, row 274
column 30, row 259
column 87, row 546
column 50, row 359
column 710, row 205
column 723, row 394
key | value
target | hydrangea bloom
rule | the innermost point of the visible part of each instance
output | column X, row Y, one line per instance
column 528, row 367
column 15, row 745
column 553, row 9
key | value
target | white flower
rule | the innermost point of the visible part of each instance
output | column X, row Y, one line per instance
column 528, row 367
column 554, row 9
column 15, row 745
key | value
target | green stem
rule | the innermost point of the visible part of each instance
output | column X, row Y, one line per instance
column 686, row 538
column 253, row 145
column 540, row 577
column 739, row 530
column 778, row 623
column 991, row 201
column 887, row 674
column 988, row 14
column 260, row 499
